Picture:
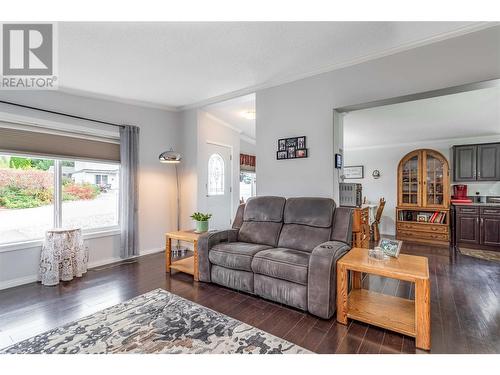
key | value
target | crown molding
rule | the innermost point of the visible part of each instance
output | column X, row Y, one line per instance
column 458, row 140
column 248, row 139
column 222, row 122
column 116, row 99
column 478, row 26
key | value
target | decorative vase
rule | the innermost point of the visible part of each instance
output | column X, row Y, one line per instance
column 201, row 226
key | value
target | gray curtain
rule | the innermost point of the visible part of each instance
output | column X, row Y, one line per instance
column 129, row 155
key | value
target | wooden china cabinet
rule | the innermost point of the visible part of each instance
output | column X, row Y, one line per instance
column 423, row 210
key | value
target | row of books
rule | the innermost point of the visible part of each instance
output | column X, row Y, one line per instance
column 437, row 217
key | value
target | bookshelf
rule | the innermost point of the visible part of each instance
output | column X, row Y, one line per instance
column 423, row 214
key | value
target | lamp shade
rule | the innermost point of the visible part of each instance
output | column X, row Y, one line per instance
column 170, row 156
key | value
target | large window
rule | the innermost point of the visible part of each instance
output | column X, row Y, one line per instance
column 38, row 194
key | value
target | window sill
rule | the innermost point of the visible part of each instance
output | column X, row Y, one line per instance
column 87, row 235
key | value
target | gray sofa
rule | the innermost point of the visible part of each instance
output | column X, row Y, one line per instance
column 283, row 250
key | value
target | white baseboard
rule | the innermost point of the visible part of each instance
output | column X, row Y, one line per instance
column 102, row 262
column 19, row 281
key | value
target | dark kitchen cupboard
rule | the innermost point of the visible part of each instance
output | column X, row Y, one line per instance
column 479, row 162
column 490, row 230
column 488, row 162
column 468, row 229
column 464, row 163
column 476, row 226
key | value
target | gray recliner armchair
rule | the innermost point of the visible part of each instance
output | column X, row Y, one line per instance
column 283, row 250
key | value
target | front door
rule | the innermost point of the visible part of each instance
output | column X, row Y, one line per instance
column 219, row 186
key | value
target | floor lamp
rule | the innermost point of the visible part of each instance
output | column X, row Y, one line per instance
column 172, row 157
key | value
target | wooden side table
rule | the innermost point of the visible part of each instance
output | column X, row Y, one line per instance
column 187, row 265
column 412, row 318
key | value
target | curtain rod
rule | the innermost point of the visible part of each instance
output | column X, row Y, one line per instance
column 61, row 114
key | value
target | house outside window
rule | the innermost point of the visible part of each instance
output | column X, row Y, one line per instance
column 28, row 201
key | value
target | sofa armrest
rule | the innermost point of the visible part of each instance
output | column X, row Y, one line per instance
column 342, row 225
column 205, row 242
column 322, row 278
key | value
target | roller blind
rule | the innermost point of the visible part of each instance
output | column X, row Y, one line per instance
column 57, row 145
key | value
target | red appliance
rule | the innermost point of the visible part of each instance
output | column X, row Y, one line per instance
column 460, row 194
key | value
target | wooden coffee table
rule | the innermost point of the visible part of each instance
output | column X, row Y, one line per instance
column 402, row 315
column 189, row 264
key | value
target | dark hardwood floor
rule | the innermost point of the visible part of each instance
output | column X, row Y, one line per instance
column 465, row 305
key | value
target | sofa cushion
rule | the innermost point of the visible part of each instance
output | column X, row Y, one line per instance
column 316, row 212
column 264, row 233
column 281, row 263
column 264, row 209
column 235, row 279
column 235, row 255
column 302, row 237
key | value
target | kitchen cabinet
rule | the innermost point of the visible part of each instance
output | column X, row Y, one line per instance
column 480, row 162
column 477, row 226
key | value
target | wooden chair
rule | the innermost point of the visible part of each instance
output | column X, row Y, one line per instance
column 376, row 222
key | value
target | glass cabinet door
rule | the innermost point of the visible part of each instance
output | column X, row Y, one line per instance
column 410, row 181
column 436, row 180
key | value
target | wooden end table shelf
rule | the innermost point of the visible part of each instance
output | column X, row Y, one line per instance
column 187, row 265
column 401, row 315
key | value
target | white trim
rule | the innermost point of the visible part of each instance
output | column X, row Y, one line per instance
column 151, row 251
column 117, row 99
column 248, row 139
column 486, row 138
column 223, row 123
column 8, row 247
column 477, row 26
column 19, row 281
column 34, row 278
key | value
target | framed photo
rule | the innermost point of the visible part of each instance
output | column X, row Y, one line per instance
column 301, row 142
column 390, row 247
column 356, row 171
column 291, row 142
column 291, row 148
column 280, row 155
column 422, row 218
column 301, row 153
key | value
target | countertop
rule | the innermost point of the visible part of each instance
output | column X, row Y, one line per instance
column 477, row 204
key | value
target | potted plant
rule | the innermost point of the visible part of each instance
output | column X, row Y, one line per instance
column 201, row 221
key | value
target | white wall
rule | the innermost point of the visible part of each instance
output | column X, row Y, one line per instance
column 247, row 147
column 157, row 202
column 386, row 160
column 305, row 107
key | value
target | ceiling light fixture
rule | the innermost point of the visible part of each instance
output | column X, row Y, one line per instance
column 249, row 115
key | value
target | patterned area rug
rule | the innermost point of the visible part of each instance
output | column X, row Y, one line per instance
column 156, row 322
column 481, row 254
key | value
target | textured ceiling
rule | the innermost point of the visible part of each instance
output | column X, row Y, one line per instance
column 179, row 64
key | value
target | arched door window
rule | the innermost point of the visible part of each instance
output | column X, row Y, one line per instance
column 215, row 175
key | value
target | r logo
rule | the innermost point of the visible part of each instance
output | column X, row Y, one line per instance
column 27, row 49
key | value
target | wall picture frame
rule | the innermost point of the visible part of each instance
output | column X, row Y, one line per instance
column 354, row 172
column 292, row 148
